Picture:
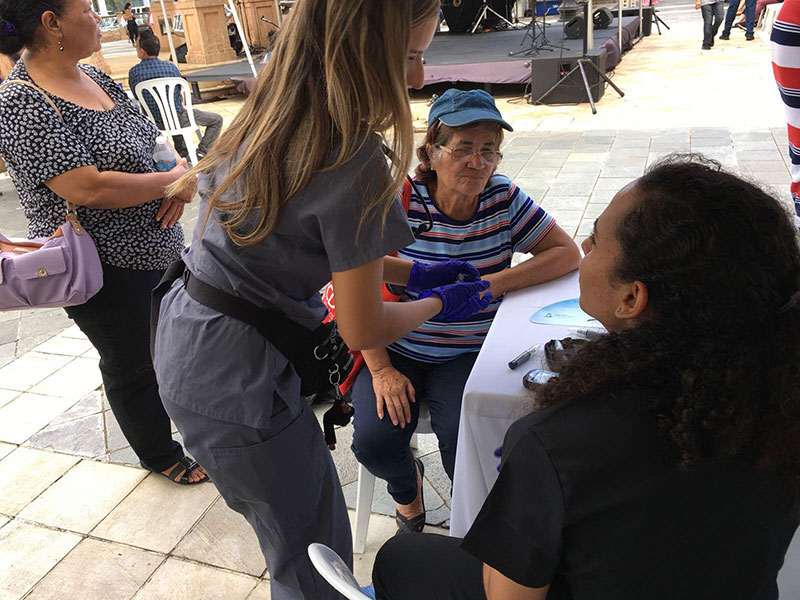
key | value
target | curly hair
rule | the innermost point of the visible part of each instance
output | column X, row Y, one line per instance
column 718, row 360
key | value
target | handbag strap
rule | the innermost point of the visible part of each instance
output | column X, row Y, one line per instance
column 72, row 215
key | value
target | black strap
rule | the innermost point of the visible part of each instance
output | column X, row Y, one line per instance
column 283, row 333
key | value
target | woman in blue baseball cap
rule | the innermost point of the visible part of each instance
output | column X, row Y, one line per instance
column 460, row 209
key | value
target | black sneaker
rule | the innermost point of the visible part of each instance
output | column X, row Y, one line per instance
column 725, row 36
column 749, row 38
column 706, row 47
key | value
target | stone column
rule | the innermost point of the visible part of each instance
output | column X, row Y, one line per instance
column 206, row 31
column 250, row 13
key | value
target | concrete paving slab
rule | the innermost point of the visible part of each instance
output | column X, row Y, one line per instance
column 27, row 553
column 7, row 396
column 261, row 591
column 6, row 449
column 613, row 184
column 565, row 217
column 179, row 579
column 29, row 370
column 223, row 538
column 80, row 437
column 26, row 473
column 26, row 415
column 124, row 456
column 98, row 569
column 80, row 378
column 91, row 404
column 66, row 346
column 82, row 498
column 141, row 519
column 622, row 172
column 570, row 203
column 575, row 188
column 115, row 439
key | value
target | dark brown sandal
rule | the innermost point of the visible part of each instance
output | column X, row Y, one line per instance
column 414, row 524
column 187, row 466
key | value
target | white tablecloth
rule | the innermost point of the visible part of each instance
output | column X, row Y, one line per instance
column 494, row 396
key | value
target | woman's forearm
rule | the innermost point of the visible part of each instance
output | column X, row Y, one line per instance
column 122, row 190
column 396, row 270
column 376, row 358
column 544, row 266
column 397, row 320
column 86, row 186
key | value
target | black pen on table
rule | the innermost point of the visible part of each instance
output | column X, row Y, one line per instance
column 523, row 358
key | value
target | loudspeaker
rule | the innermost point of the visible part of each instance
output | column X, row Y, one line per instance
column 574, row 28
column 546, row 71
column 602, row 18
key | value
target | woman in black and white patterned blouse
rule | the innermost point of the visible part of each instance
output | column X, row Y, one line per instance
column 100, row 157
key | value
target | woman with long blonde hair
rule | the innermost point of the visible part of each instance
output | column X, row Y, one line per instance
column 296, row 192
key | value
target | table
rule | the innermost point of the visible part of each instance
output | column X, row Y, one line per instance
column 494, row 396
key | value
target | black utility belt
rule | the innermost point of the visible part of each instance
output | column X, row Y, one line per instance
column 320, row 357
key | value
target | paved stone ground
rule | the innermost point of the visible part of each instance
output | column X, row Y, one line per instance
column 78, row 517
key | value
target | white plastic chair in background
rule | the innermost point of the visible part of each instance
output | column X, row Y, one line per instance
column 335, row 571
column 162, row 91
column 767, row 19
column 366, row 485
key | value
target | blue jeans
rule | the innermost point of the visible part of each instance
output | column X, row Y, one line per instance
column 749, row 16
column 712, row 19
column 383, row 448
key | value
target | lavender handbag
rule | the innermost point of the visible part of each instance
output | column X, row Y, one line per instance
column 62, row 270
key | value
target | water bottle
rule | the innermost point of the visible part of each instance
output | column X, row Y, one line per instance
column 163, row 155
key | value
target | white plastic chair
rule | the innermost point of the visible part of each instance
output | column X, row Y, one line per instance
column 366, row 485
column 335, row 571
column 767, row 19
column 162, row 91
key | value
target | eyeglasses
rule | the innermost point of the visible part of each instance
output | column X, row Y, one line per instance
column 489, row 158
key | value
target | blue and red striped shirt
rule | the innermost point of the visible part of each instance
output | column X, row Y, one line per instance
column 506, row 221
column 785, row 50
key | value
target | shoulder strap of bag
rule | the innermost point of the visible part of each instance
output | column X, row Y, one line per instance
column 72, row 214
column 38, row 89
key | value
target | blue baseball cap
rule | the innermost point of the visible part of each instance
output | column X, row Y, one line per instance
column 456, row 108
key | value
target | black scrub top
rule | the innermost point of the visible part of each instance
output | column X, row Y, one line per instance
column 589, row 500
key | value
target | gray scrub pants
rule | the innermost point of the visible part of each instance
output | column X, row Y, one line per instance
column 283, row 481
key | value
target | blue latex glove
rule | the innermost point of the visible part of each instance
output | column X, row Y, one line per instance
column 426, row 276
column 460, row 300
column 498, row 452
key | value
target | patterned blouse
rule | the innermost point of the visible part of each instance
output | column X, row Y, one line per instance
column 36, row 146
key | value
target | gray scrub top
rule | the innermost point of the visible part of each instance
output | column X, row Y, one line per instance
column 222, row 368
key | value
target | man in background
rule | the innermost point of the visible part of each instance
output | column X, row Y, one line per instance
column 749, row 15
column 151, row 67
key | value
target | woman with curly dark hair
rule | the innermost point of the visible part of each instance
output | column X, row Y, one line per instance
column 664, row 460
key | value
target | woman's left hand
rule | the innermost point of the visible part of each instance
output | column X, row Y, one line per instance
column 170, row 212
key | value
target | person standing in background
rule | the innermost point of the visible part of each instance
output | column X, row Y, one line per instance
column 97, row 155
column 130, row 22
column 749, row 15
column 712, row 11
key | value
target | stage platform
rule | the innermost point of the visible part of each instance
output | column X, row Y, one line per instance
column 483, row 58
column 480, row 58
